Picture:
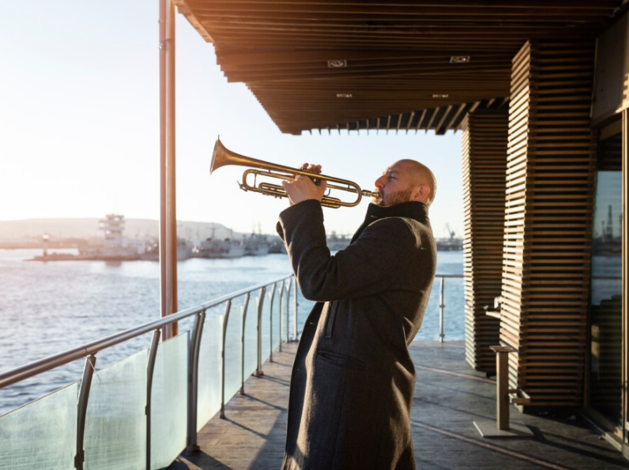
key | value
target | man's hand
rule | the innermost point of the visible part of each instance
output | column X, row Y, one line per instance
column 303, row 188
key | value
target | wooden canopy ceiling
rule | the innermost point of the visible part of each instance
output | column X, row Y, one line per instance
column 352, row 64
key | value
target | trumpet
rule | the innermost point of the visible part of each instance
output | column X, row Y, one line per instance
column 259, row 168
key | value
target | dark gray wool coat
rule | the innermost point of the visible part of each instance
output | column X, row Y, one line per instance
column 353, row 379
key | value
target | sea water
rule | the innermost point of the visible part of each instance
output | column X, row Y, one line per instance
column 50, row 307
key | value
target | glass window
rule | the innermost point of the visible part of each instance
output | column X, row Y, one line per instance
column 606, row 292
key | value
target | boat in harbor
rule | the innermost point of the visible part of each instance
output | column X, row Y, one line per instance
column 213, row 248
column 256, row 245
column 151, row 253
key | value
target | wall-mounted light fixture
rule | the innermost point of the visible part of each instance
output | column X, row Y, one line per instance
column 460, row 59
column 343, row 95
column 337, row 63
column 440, row 95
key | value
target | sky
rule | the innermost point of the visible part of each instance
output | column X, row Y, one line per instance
column 79, row 126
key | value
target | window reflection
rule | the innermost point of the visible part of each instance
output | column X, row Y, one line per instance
column 606, row 292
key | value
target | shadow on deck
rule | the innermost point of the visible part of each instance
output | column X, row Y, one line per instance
column 449, row 396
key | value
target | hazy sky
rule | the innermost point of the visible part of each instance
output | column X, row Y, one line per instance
column 79, row 125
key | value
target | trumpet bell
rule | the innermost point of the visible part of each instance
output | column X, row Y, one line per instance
column 222, row 156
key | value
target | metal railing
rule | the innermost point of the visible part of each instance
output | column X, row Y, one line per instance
column 89, row 351
column 442, row 303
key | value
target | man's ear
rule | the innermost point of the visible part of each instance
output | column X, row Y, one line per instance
column 422, row 193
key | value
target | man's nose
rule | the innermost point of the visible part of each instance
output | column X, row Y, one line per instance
column 380, row 182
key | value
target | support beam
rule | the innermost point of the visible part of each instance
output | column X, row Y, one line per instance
column 548, row 221
column 168, row 215
column 484, row 171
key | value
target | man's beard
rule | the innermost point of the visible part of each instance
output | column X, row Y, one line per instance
column 387, row 200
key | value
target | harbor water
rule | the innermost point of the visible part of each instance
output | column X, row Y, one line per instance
column 47, row 308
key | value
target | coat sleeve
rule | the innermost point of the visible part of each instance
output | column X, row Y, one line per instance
column 368, row 266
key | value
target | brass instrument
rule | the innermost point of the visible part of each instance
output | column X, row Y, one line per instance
column 223, row 157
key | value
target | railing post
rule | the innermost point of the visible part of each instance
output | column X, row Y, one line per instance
column 271, row 298
column 442, row 307
column 281, row 322
column 259, row 372
column 245, row 307
column 228, row 306
column 193, row 380
column 84, row 395
column 295, row 317
column 150, row 369
column 287, row 311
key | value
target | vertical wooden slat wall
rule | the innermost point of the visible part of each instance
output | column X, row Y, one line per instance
column 484, row 167
column 549, row 199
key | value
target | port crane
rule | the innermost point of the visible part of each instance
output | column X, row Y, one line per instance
column 451, row 232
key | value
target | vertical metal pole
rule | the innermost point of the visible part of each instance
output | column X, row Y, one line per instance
column 625, row 273
column 281, row 322
column 193, row 381
column 150, row 368
column 228, row 306
column 271, row 298
column 442, row 307
column 287, row 311
column 259, row 372
column 245, row 307
column 84, row 395
column 168, row 217
column 295, row 315
column 502, row 390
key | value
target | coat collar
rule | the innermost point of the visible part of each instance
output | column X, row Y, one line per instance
column 413, row 210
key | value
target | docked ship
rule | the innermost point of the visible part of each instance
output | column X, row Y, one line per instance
column 151, row 253
column 214, row 248
column 256, row 245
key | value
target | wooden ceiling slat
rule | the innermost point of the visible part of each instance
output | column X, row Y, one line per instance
column 443, row 118
column 410, row 121
column 420, row 120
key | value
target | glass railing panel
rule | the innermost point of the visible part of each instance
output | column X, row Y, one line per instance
column 276, row 317
column 41, row 435
column 209, row 387
column 115, row 432
column 251, row 335
column 169, row 401
column 305, row 306
column 232, row 348
column 454, row 312
column 266, row 324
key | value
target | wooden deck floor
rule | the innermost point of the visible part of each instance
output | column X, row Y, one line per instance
column 449, row 396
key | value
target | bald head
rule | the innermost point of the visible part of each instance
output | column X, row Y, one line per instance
column 421, row 176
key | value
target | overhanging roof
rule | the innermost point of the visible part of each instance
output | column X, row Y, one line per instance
column 396, row 70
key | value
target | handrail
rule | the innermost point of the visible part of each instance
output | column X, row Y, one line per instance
column 442, row 305
column 37, row 367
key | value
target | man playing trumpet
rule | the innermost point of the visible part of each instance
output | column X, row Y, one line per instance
column 353, row 378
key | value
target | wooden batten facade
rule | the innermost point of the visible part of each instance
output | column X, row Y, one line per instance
column 484, row 169
column 549, row 198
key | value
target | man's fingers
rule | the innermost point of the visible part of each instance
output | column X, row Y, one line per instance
column 311, row 168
